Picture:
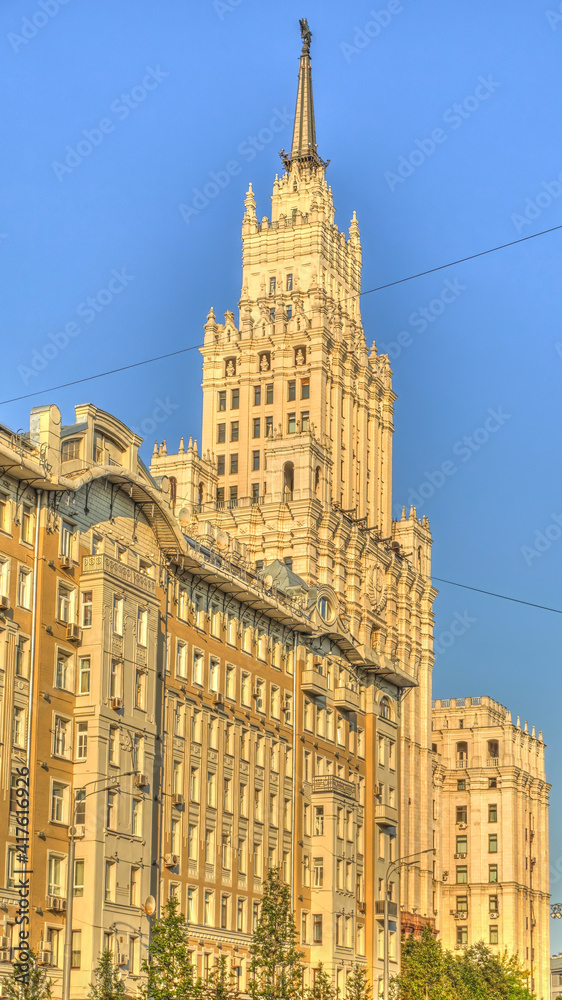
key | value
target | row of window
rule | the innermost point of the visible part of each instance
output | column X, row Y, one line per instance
column 462, row 906
column 462, row 813
column 263, row 394
column 462, row 874
column 461, row 845
column 462, row 785
column 462, row 935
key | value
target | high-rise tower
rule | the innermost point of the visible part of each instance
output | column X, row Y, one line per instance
column 297, row 430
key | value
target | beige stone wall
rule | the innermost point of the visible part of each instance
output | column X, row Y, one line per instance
column 493, row 771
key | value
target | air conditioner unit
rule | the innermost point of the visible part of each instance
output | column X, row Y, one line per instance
column 5, row 603
column 57, row 903
column 178, row 799
column 73, row 633
column 5, row 956
column 460, row 855
column 79, row 831
column 121, row 959
column 4, row 943
column 218, row 699
column 45, row 946
column 494, row 914
column 462, row 826
column 141, row 780
column 116, row 703
column 65, row 562
column 171, row 860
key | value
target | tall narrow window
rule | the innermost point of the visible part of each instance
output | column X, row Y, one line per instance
column 86, row 608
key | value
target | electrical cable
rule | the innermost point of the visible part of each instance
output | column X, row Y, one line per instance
column 195, row 347
column 492, row 593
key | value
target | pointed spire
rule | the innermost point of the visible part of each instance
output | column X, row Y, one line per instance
column 303, row 147
column 155, row 450
column 250, row 204
column 181, row 449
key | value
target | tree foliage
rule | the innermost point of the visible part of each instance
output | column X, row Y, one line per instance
column 275, row 968
column 170, row 974
column 322, row 987
column 358, row 987
column 107, row 984
column 430, row 973
column 221, row 983
column 38, row 986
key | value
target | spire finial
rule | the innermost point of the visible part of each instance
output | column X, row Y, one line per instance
column 303, row 147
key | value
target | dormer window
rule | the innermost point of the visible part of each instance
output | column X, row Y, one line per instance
column 70, row 450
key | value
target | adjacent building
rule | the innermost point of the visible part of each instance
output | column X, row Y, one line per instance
column 492, row 819
column 556, row 976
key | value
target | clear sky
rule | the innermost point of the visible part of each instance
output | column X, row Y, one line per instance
column 442, row 123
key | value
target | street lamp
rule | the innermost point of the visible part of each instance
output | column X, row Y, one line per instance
column 67, row 959
column 556, row 910
column 392, row 868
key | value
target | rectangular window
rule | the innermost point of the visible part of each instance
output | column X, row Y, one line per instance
column 222, row 400
column 461, row 814
column 191, row 904
column 272, row 284
column 241, row 915
column 291, row 390
column 318, row 873
column 493, row 843
column 181, row 659
column 234, row 399
column 291, row 423
column 111, row 811
column 208, row 906
column 79, row 877
column 269, row 394
column 257, row 395
column 63, row 671
column 462, row 935
column 234, row 430
column 197, row 667
column 305, row 420
column 461, row 785
column 142, row 626
column 58, row 796
column 136, row 818
column 257, row 427
column 305, row 388
column 220, row 465
column 81, row 740
column 27, row 526
column 289, row 282
column 255, row 462
column 462, row 844
column 234, row 463
column 64, row 604
column 140, row 689
column 462, row 874
column 494, row 936
column 492, row 813
column 80, row 805
column 221, row 433
column 61, row 746
column 462, row 905
column 84, row 675
column 318, row 821
column 317, row 928
column 76, row 952
column 109, row 881
column 118, row 615
column 86, row 608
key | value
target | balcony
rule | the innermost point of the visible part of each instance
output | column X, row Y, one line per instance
column 386, row 815
column 346, row 699
column 314, row 683
column 329, row 783
column 461, row 762
column 125, row 574
column 392, row 909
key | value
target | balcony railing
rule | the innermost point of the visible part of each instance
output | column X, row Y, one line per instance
column 386, row 815
column 313, row 682
column 329, row 783
column 347, row 699
column 392, row 908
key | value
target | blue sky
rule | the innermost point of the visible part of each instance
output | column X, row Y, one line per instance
column 115, row 114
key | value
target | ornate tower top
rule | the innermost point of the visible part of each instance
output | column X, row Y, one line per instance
column 303, row 148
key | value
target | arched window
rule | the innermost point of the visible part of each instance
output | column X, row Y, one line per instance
column 462, row 751
column 317, row 481
column 493, row 749
column 173, row 490
column 288, row 477
column 384, row 709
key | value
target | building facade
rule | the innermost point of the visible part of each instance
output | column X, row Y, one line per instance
column 297, row 446
column 556, row 976
column 492, row 811
column 194, row 722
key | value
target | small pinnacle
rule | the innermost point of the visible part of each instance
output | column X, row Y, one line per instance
column 181, row 448
column 155, row 451
column 164, row 448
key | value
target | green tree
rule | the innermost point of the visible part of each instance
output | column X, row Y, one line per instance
column 427, row 971
column 276, row 969
column 37, row 987
column 107, row 984
column 221, row 984
column 358, row 987
column 322, row 987
column 170, row 974
column 487, row 976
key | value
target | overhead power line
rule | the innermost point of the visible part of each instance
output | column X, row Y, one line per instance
column 503, row 597
column 195, row 347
